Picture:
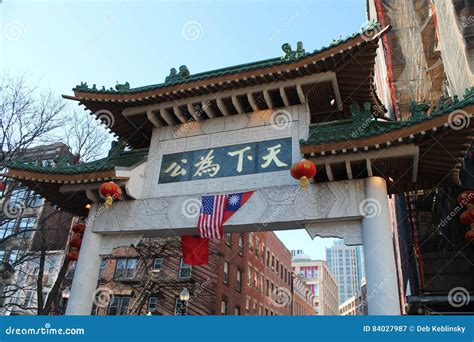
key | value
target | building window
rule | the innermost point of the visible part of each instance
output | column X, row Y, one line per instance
column 251, row 243
column 184, row 270
column 119, row 306
column 262, row 283
column 239, row 280
column 157, row 264
column 281, row 271
column 273, row 262
column 249, row 275
column 226, row 273
column 256, row 248
column 277, row 266
column 268, row 258
column 126, row 268
column 268, row 288
column 152, row 303
column 224, row 306
column 34, row 201
column 28, row 300
column 103, row 262
column 228, row 239
column 255, row 279
column 247, row 305
column 18, row 196
column 26, row 226
column 6, row 229
column 263, row 253
column 237, row 310
column 241, row 244
column 254, row 308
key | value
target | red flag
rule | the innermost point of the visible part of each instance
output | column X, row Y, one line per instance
column 195, row 250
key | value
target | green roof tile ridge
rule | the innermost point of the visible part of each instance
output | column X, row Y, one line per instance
column 125, row 159
column 125, row 88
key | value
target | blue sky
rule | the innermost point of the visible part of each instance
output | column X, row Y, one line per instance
column 58, row 44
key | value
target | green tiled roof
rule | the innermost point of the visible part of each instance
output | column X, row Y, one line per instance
column 120, row 159
column 364, row 125
column 373, row 25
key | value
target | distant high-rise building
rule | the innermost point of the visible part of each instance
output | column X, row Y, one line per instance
column 346, row 265
column 319, row 280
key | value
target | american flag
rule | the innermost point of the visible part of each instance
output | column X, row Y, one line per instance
column 211, row 216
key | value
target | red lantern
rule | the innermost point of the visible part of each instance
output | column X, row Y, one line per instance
column 73, row 254
column 467, row 217
column 303, row 170
column 469, row 236
column 465, row 198
column 75, row 241
column 111, row 192
column 79, row 228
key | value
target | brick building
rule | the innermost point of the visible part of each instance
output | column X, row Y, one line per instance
column 247, row 274
column 304, row 301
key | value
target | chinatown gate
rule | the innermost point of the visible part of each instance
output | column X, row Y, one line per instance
column 240, row 129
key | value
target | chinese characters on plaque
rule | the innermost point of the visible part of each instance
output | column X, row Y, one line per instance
column 226, row 161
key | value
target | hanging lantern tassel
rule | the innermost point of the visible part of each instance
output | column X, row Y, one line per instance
column 303, row 170
column 111, row 192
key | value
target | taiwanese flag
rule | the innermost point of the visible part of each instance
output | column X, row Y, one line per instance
column 195, row 250
column 234, row 203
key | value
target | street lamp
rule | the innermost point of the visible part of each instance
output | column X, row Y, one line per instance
column 184, row 295
column 183, row 302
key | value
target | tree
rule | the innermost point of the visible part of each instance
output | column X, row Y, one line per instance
column 30, row 119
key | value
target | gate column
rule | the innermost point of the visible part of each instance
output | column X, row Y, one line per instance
column 382, row 284
column 87, row 271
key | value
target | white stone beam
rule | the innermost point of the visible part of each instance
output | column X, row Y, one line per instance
column 152, row 118
column 286, row 102
column 237, row 105
column 222, row 107
column 268, row 99
column 252, row 102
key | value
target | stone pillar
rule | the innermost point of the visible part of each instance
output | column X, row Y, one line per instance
column 87, row 271
column 382, row 284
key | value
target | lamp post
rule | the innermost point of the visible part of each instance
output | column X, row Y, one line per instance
column 182, row 305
